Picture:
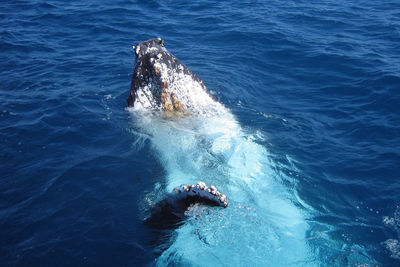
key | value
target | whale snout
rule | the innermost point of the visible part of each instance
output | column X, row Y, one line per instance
column 144, row 47
column 160, row 82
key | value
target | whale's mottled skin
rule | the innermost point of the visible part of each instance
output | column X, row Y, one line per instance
column 161, row 82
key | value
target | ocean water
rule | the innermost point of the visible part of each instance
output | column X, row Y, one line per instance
column 312, row 93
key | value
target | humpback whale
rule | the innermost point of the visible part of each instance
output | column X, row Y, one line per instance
column 194, row 137
column 160, row 82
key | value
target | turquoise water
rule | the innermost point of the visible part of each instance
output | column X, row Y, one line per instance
column 310, row 160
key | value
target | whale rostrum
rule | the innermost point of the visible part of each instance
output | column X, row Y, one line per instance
column 161, row 82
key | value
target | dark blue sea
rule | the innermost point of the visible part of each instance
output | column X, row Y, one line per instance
column 313, row 85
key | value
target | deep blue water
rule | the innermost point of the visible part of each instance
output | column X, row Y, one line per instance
column 320, row 82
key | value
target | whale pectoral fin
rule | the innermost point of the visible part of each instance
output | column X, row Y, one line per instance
column 171, row 211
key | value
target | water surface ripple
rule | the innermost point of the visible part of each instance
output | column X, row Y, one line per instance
column 318, row 82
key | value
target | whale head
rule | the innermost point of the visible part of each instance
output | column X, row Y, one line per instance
column 160, row 82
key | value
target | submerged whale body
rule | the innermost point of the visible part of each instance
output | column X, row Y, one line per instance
column 194, row 136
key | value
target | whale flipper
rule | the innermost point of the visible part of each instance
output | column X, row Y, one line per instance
column 177, row 206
